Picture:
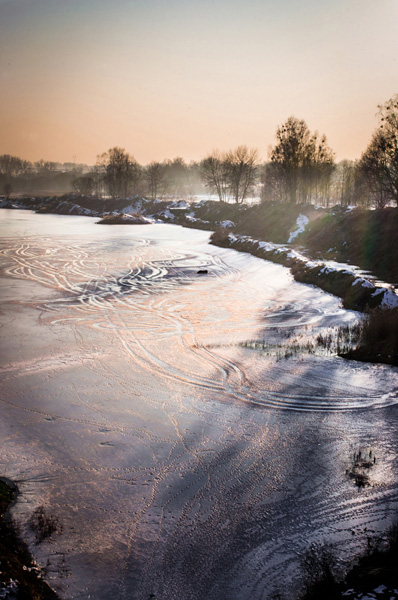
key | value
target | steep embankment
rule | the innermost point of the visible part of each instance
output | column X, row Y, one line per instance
column 367, row 238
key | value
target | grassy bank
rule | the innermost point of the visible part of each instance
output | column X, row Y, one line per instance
column 19, row 576
column 270, row 221
column 366, row 238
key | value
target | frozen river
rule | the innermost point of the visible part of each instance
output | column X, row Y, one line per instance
column 182, row 462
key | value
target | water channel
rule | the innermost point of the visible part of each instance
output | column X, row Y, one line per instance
column 182, row 460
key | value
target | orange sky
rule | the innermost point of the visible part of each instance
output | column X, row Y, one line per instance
column 182, row 77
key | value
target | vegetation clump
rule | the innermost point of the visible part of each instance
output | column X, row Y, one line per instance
column 359, row 470
column 44, row 524
column 378, row 341
column 378, row 565
column 319, row 564
column 20, row 578
column 374, row 575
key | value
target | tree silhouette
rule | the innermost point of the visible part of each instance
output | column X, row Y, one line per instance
column 232, row 174
column 379, row 162
column 302, row 164
column 156, row 179
column 121, row 172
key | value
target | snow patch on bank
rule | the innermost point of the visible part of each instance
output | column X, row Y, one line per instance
column 131, row 209
column 167, row 214
column 301, row 223
column 390, row 299
column 227, row 224
column 382, row 592
column 363, row 282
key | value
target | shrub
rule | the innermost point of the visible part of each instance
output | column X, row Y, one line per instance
column 44, row 524
column 318, row 565
column 220, row 236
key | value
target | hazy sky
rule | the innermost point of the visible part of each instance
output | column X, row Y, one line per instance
column 166, row 78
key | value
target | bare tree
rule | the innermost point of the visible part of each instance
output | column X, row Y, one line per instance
column 12, row 166
column 45, row 166
column 242, row 172
column 273, row 186
column 302, row 162
column 84, row 185
column 290, row 153
column 121, row 172
column 344, row 179
column 178, row 174
column 322, row 166
column 214, row 172
column 7, row 190
column 379, row 162
column 97, row 174
column 155, row 176
column 231, row 174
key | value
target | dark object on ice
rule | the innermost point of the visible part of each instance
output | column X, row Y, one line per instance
column 360, row 468
column 203, row 272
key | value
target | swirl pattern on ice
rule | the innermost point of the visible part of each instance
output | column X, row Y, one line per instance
column 166, row 315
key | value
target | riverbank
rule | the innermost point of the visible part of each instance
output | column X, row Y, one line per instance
column 20, row 578
column 356, row 292
column 378, row 333
column 378, row 339
column 301, row 237
column 362, row 237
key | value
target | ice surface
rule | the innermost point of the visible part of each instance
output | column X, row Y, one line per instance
column 180, row 462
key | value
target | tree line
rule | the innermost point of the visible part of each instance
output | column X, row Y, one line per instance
column 301, row 168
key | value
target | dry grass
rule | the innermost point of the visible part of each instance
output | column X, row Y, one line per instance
column 378, row 340
column 44, row 524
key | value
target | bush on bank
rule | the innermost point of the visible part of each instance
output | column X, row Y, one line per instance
column 19, row 576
